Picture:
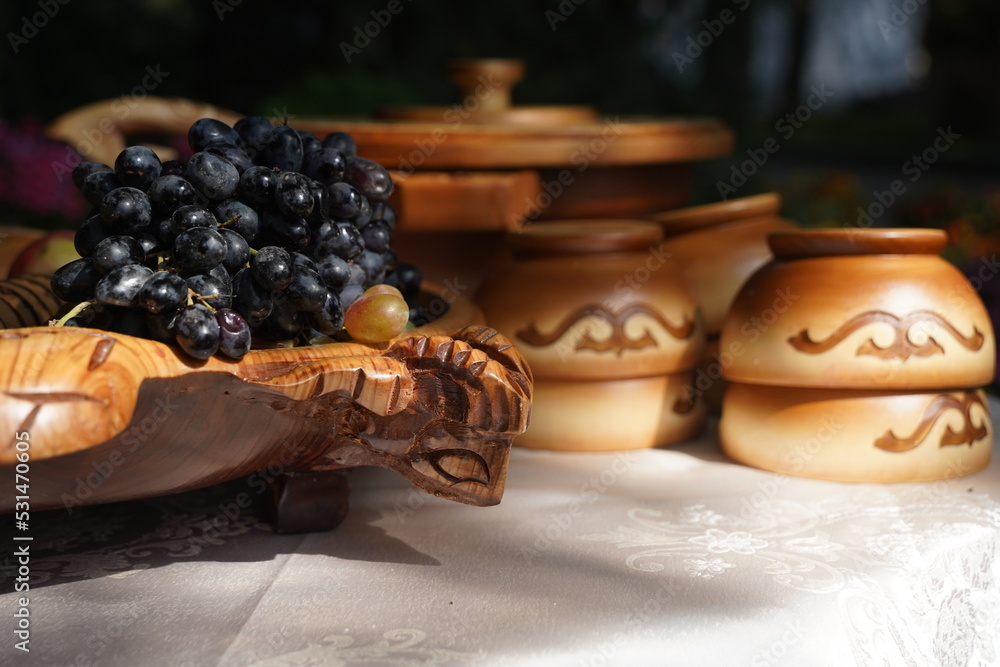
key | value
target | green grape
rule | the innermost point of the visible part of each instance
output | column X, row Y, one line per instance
column 376, row 318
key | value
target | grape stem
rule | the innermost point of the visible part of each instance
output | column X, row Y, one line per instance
column 74, row 311
column 203, row 299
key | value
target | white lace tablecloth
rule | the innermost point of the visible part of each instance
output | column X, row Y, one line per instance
column 665, row 557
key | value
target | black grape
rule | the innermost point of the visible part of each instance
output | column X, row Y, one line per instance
column 369, row 177
column 239, row 217
column 207, row 131
column 272, row 268
column 257, row 185
column 126, row 210
column 212, row 176
column 168, row 193
column 342, row 142
column 98, row 184
column 121, row 286
column 92, row 231
column 116, row 251
column 329, row 318
column 137, row 167
column 251, row 300
column 163, row 292
column 234, row 333
column 325, row 165
column 85, row 169
column 306, row 291
column 237, row 250
column 75, row 281
column 197, row 331
column 199, row 249
column 283, row 151
column 214, row 292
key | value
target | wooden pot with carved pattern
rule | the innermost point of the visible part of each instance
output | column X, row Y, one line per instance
column 858, row 355
column 610, row 329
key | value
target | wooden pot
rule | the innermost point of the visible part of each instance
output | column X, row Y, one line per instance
column 602, row 317
column 868, row 329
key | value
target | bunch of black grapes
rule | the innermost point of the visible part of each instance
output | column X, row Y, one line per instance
column 265, row 234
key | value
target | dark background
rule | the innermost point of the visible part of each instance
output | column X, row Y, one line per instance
column 287, row 58
column 268, row 57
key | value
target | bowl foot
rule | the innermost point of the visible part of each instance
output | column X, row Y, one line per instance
column 308, row 502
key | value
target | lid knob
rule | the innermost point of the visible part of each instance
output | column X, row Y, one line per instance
column 497, row 76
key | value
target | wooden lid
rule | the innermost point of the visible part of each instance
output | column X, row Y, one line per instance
column 484, row 131
column 689, row 219
column 849, row 241
column 566, row 237
column 449, row 143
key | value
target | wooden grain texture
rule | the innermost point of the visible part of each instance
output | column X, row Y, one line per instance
column 112, row 417
column 464, row 201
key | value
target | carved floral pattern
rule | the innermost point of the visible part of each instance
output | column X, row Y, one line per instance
column 902, row 347
column 969, row 433
column 618, row 341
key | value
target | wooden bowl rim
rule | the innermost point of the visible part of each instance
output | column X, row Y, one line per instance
column 584, row 236
column 802, row 243
column 708, row 215
column 458, row 144
column 461, row 313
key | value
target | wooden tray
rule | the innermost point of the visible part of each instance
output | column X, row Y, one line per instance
column 110, row 417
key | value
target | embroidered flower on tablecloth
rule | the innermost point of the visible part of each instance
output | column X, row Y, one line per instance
column 403, row 646
column 720, row 542
column 702, row 515
column 705, row 568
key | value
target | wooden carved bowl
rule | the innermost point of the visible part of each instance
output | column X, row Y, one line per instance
column 858, row 355
column 110, row 417
column 860, row 309
column 611, row 330
column 719, row 246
